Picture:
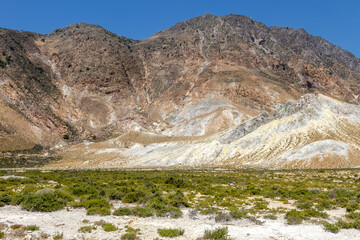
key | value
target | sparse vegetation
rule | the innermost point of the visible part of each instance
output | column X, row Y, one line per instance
column 294, row 217
column 32, row 228
column 217, row 234
column 170, row 232
column 243, row 194
column 58, row 236
column 86, row 229
column 131, row 234
column 45, row 200
column 108, row 227
column 15, row 226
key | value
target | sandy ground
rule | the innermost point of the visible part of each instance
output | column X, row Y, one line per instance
column 69, row 221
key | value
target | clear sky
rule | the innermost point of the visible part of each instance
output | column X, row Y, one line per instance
column 336, row 21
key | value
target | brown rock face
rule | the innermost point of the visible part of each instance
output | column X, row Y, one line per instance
column 196, row 78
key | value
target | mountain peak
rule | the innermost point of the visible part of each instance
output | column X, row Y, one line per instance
column 77, row 26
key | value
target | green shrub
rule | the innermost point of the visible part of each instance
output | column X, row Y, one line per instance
column 136, row 211
column 175, row 212
column 178, row 183
column 353, row 215
column 137, row 196
column 15, row 226
column 129, row 236
column 307, row 213
column 334, row 228
column 102, row 211
column 304, row 205
column 2, row 234
column 5, row 198
column 97, row 207
column 239, row 213
column 93, row 203
column 32, row 228
column 115, row 194
column 217, row 234
column 123, row 212
column 170, row 232
column 46, row 200
column 270, row 216
column 58, row 236
column 294, row 217
column 143, row 211
column 178, row 199
column 108, row 227
column 86, row 229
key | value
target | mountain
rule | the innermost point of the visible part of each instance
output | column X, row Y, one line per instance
column 208, row 91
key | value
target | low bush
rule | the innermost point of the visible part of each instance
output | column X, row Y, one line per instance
column 129, row 236
column 97, row 207
column 143, row 211
column 136, row 211
column 294, row 217
column 137, row 196
column 239, row 213
column 86, row 229
column 334, row 228
column 108, row 227
column 217, row 234
column 102, row 211
column 46, row 200
column 32, row 228
column 5, row 198
column 175, row 212
column 58, row 236
column 170, row 232
column 123, row 212
column 271, row 217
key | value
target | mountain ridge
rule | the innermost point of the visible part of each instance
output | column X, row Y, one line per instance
column 194, row 80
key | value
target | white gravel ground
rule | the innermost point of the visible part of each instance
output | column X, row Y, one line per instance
column 69, row 221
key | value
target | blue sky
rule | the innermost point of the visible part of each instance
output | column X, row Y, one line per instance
column 336, row 21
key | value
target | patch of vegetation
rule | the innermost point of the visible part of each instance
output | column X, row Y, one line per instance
column 20, row 161
column 97, row 207
column 239, row 213
column 271, row 217
column 136, row 211
column 220, row 233
column 331, row 227
column 86, row 229
column 15, row 226
column 45, row 200
column 2, row 234
column 231, row 194
column 58, row 236
column 108, row 227
column 131, row 234
column 170, row 232
column 294, row 217
column 32, row 228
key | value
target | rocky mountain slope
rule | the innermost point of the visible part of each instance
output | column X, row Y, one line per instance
column 209, row 90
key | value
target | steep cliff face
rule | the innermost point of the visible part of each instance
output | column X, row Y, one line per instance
column 198, row 78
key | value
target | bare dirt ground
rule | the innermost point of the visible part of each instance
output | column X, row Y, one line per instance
column 67, row 222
